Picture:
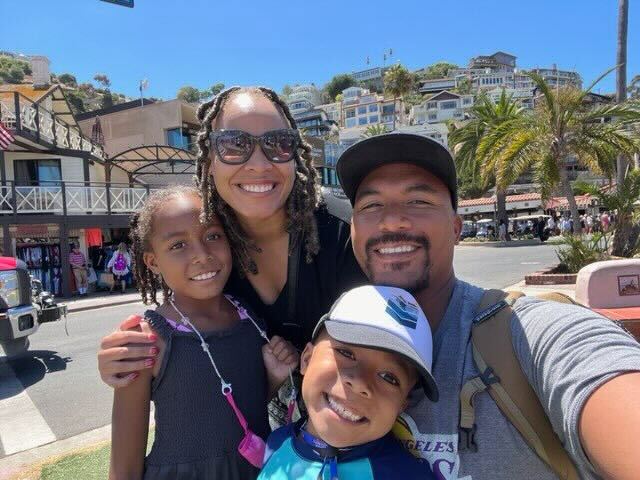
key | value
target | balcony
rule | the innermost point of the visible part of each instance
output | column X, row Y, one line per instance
column 72, row 198
column 30, row 119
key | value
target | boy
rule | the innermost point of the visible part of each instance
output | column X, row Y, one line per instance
column 368, row 353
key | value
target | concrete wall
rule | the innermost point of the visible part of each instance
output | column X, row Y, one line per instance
column 137, row 126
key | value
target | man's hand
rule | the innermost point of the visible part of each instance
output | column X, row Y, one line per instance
column 280, row 357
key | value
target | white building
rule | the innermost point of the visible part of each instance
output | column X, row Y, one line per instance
column 440, row 108
column 361, row 108
column 561, row 78
column 524, row 96
column 333, row 111
column 436, row 131
column 303, row 98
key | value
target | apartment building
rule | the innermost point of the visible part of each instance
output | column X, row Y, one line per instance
column 441, row 107
column 361, row 108
column 303, row 98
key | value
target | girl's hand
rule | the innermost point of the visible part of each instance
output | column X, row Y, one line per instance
column 125, row 352
column 280, row 357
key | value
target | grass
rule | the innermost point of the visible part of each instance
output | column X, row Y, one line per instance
column 91, row 463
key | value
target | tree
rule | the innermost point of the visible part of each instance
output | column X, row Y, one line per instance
column 13, row 70
column 216, row 88
column 189, row 94
column 437, row 70
column 562, row 125
column 463, row 86
column 338, row 83
column 286, row 91
column 475, row 164
column 68, row 79
column 102, row 79
column 398, row 82
column 621, row 73
column 374, row 130
column 106, row 101
column 622, row 200
column 75, row 98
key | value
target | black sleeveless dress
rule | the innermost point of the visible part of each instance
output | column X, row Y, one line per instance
column 197, row 433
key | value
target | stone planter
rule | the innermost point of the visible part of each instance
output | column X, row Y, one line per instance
column 545, row 277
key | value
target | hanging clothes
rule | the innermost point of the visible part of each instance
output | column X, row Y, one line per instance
column 93, row 237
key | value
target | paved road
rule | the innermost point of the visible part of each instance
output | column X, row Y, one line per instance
column 56, row 393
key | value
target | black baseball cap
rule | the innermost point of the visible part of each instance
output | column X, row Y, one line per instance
column 362, row 158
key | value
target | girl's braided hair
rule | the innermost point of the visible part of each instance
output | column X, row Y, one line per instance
column 141, row 229
column 301, row 204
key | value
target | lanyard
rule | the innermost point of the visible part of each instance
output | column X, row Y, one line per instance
column 326, row 451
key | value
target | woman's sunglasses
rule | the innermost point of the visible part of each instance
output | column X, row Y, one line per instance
column 236, row 146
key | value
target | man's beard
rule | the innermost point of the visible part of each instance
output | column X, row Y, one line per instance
column 420, row 283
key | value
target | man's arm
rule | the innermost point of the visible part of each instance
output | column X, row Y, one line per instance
column 585, row 370
column 610, row 428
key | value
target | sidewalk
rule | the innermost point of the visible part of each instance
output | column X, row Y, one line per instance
column 99, row 300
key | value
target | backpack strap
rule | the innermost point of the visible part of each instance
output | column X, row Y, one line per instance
column 502, row 377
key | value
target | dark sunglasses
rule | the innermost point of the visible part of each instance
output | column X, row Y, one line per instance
column 236, row 146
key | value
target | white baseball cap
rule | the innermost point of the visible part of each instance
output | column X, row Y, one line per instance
column 385, row 318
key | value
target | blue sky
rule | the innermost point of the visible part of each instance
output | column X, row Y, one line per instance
column 202, row 42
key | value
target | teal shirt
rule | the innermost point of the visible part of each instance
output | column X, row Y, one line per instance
column 288, row 457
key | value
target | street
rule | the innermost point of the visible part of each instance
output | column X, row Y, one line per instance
column 56, row 392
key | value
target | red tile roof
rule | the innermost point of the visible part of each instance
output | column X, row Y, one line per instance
column 524, row 197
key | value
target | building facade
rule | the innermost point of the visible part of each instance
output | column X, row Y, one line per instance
column 441, row 107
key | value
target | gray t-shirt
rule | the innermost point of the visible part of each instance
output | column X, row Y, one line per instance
column 566, row 352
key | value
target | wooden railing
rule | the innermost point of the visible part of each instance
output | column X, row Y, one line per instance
column 71, row 198
column 22, row 114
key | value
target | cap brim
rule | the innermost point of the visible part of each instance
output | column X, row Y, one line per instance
column 365, row 156
column 368, row 336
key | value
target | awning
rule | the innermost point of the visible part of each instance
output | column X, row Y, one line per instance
column 161, row 164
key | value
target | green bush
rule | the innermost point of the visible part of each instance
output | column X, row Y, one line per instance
column 577, row 252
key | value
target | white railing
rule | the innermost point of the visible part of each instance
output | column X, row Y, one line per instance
column 78, row 199
column 39, row 121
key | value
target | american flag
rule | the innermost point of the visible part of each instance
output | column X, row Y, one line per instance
column 5, row 137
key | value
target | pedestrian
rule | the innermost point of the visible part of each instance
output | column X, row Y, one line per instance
column 589, row 223
column 551, row 225
column 605, row 221
column 119, row 264
column 78, row 263
column 207, row 341
column 358, row 344
column 502, row 231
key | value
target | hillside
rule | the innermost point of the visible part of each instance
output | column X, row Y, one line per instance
column 83, row 97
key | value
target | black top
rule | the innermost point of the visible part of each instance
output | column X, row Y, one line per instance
column 197, row 433
column 333, row 270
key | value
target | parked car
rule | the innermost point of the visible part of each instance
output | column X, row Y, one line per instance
column 23, row 306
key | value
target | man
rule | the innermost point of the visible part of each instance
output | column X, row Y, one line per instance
column 78, row 264
column 584, row 369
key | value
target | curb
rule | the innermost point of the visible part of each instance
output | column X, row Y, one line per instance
column 82, row 308
column 511, row 244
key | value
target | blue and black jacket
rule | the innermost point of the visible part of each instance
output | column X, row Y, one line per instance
column 288, row 456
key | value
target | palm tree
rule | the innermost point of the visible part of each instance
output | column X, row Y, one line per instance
column 398, row 81
column 621, row 72
column 374, row 130
column 622, row 200
column 473, row 165
column 562, row 125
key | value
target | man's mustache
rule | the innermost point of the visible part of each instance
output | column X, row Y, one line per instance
column 396, row 238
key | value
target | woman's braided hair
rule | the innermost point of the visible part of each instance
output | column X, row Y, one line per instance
column 301, row 204
column 141, row 229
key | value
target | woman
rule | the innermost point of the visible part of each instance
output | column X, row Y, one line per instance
column 119, row 265
column 292, row 257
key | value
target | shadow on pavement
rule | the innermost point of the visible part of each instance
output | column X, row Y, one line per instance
column 30, row 369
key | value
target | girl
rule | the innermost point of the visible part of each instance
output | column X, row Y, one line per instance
column 207, row 379
column 119, row 265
